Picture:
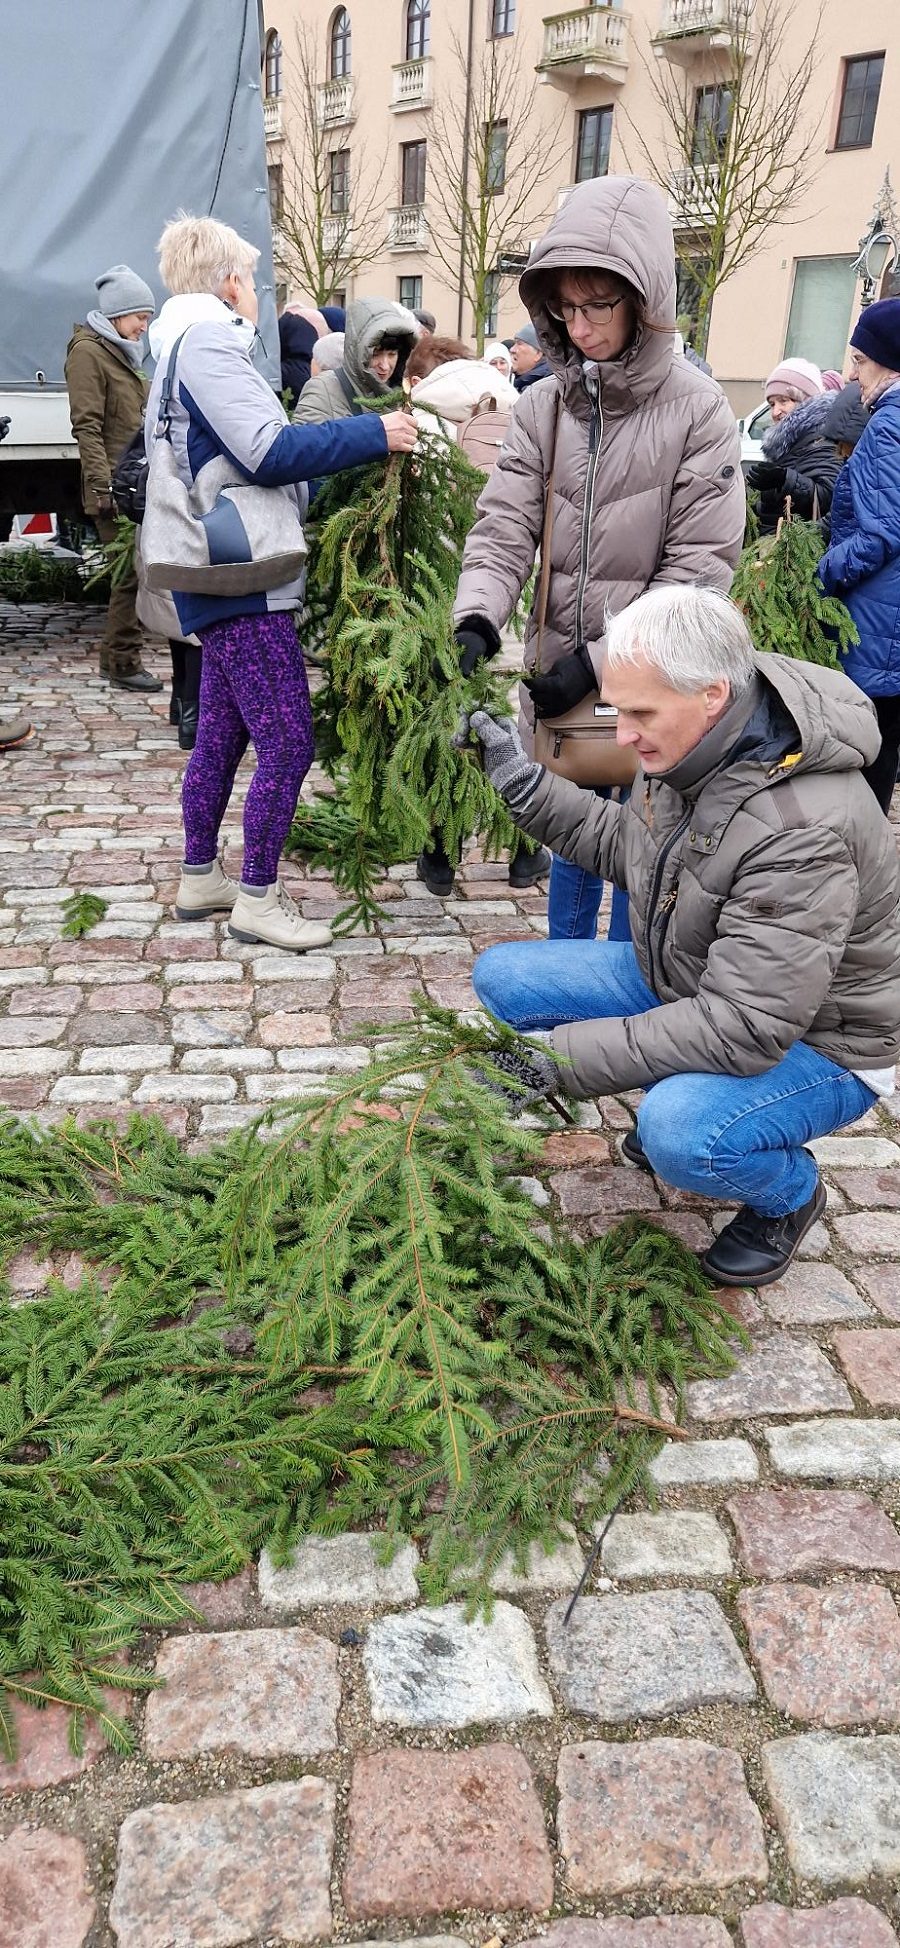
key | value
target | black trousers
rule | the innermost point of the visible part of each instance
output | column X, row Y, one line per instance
column 882, row 773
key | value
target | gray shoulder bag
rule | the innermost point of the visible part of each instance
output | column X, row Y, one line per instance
column 223, row 535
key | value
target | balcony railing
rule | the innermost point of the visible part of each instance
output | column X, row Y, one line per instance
column 691, row 27
column 337, row 235
column 408, row 228
column 693, row 197
column 412, row 85
column 335, row 102
column 272, row 119
column 592, row 41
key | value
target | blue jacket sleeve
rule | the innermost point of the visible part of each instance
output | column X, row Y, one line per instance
column 221, row 390
column 875, row 489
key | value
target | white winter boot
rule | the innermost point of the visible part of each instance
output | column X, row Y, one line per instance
column 203, row 890
column 269, row 915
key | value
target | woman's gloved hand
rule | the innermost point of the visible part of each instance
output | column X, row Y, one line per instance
column 528, row 1074
column 477, row 641
column 513, row 774
column 567, row 684
column 766, row 478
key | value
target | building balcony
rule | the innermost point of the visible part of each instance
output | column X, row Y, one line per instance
column 337, row 236
column 689, row 28
column 413, row 85
column 272, row 119
column 334, row 102
column 408, row 228
column 591, row 44
column 693, row 197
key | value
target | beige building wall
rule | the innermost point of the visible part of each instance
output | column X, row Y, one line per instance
column 798, row 293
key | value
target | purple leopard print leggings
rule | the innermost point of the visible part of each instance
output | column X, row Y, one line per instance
column 253, row 689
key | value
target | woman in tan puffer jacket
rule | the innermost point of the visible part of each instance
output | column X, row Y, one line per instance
column 647, row 486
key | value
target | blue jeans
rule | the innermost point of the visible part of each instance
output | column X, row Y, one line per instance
column 738, row 1138
column 574, row 901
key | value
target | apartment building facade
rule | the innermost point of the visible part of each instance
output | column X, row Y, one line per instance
column 391, row 79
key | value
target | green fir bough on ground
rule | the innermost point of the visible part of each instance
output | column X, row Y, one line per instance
column 350, row 1318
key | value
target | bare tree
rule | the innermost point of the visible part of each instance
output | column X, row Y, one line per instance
column 489, row 164
column 331, row 216
column 738, row 155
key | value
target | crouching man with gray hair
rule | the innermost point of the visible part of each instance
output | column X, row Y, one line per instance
column 758, row 1002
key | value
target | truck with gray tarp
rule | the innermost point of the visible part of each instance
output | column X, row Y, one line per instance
column 115, row 116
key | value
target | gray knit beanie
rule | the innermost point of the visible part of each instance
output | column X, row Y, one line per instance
column 120, row 290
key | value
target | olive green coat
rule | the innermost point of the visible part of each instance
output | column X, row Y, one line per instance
column 106, row 401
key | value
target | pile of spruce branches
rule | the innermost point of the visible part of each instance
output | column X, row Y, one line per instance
column 348, row 1316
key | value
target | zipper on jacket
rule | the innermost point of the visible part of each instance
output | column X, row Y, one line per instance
column 655, row 889
column 594, row 444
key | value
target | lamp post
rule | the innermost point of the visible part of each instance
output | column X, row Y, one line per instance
column 877, row 249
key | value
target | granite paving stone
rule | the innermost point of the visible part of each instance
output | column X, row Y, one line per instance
column 875, row 1190
column 339, row 1569
column 871, row 1361
column 434, row 1832
column 813, row 1295
column 267, row 1693
column 646, row 1656
column 679, row 1542
column 781, row 1376
column 837, row 1802
column 870, row 1232
column 45, row 1896
column 789, row 1531
column 707, row 1463
column 834, row 1450
column 222, row 1870
column 848, row 1923
column 881, row 1284
column 429, row 1668
column 44, row 1756
column 667, row 1814
column 827, row 1656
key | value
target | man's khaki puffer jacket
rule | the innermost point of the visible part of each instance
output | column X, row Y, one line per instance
column 648, row 485
column 763, row 884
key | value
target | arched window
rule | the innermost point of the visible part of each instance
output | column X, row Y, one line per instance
column 273, row 66
column 418, row 29
column 340, row 63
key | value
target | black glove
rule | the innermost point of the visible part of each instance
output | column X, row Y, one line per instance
column 564, row 686
column 533, row 1074
column 766, row 477
column 477, row 640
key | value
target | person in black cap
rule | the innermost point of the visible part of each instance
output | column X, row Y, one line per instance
column 862, row 564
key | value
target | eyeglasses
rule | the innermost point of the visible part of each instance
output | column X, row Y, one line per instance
column 593, row 314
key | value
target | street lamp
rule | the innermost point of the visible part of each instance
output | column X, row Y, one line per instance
column 877, row 249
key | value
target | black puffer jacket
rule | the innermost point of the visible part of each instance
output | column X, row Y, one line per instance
column 811, row 465
column 846, row 419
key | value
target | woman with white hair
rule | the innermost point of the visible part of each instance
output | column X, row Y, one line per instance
column 253, row 687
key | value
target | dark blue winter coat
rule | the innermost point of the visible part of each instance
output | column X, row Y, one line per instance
column 862, row 565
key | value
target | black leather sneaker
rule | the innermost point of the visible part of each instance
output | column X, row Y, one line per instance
column 756, row 1250
column 526, row 868
column 634, row 1152
column 436, row 871
column 139, row 679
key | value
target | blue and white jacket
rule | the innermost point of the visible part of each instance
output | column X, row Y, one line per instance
column 862, row 565
column 222, row 405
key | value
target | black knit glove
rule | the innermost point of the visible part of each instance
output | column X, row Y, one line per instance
column 477, row 641
column 765, row 477
column 532, row 1074
column 564, row 686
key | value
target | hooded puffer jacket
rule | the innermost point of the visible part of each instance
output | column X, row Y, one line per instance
column 862, row 565
column 455, row 389
column 648, row 485
column 811, row 464
column 330, row 395
column 763, row 885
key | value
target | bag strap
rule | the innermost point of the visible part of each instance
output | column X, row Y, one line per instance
column 348, row 391
column 164, row 414
column 546, row 541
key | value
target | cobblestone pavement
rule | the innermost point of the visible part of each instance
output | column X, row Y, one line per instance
column 709, row 1754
